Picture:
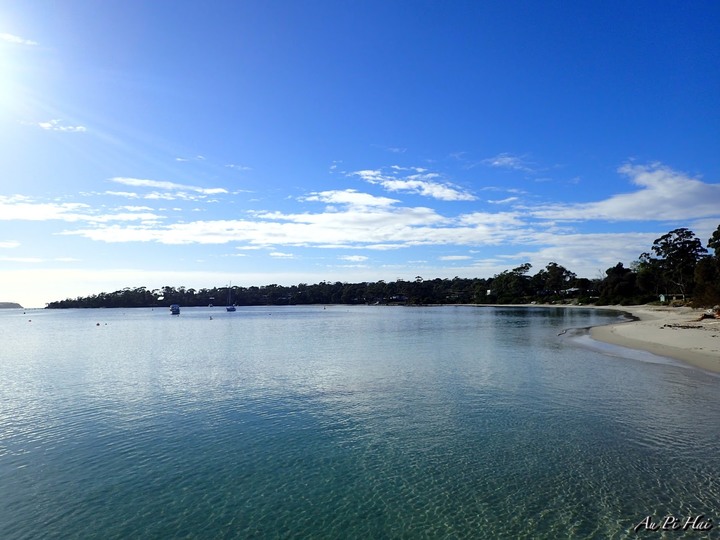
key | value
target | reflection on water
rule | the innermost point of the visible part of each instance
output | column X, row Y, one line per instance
column 358, row 422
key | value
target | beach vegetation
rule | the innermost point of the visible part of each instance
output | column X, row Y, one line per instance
column 714, row 242
column 619, row 286
column 677, row 253
column 707, row 275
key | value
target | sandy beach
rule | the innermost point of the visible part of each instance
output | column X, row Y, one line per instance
column 667, row 331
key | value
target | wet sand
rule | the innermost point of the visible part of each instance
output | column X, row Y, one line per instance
column 672, row 332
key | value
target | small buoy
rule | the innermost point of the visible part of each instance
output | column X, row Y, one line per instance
column 97, row 324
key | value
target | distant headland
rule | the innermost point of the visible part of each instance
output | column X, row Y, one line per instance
column 10, row 305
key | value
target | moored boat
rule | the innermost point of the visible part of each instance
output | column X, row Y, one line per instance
column 230, row 306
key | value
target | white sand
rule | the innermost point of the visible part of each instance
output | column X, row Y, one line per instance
column 665, row 331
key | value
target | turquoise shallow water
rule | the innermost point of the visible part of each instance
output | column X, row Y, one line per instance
column 362, row 422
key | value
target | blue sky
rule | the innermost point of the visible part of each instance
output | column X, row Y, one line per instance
column 196, row 143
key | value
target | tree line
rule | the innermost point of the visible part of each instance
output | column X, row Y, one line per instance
column 677, row 267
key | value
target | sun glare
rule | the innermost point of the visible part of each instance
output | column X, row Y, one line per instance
column 13, row 63
column 7, row 75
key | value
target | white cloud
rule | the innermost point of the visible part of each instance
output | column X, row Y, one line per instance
column 360, row 222
column 171, row 190
column 505, row 190
column 590, row 254
column 21, row 208
column 415, row 169
column 455, row 258
column 508, row 161
column 350, row 197
column 145, row 217
column 353, row 220
column 128, row 194
column 160, row 184
column 137, row 208
column 9, row 244
column 57, row 125
column 17, row 40
column 369, row 175
column 238, row 167
column 664, row 194
column 421, row 183
column 157, row 196
column 353, row 258
column 704, row 228
column 427, row 188
column 503, row 201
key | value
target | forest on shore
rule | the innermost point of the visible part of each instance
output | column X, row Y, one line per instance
column 677, row 268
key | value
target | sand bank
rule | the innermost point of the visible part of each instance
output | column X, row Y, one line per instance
column 671, row 332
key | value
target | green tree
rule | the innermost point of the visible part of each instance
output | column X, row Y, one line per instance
column 650, row 278
column 678, row 252
column 714, row 242
column 511, row 286
column 553, row 279
column 707, row 282
column 619, row 287
column 707, row 275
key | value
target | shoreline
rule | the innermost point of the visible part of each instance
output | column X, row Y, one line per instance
column 666, row 331
column 670, row 332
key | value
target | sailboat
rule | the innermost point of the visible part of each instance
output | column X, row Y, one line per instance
column 230, row 306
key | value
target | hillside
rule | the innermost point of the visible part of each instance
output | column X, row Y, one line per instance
column 7, row 305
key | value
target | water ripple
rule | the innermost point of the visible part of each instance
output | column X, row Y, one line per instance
column 364, row 423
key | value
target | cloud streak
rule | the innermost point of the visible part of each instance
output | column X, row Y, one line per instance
column 22, row 208
column 57, row 125
column 508, row 161
column 354, row 258
column 159, row 184
column 351, row 219
column 349, row 197
column 170, row 191
column 664, row 194
column 354, row 219
column 420, row 182
column 16, row 40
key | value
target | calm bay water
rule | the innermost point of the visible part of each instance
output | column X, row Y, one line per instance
column 360, row 422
